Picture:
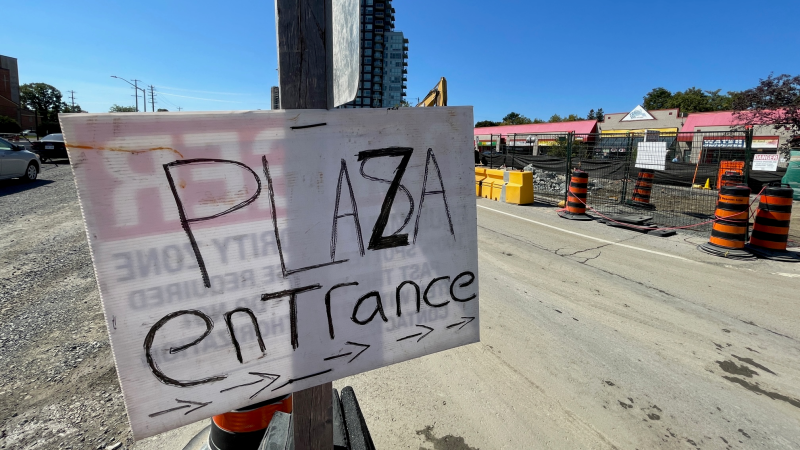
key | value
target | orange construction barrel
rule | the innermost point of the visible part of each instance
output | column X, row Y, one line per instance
column 642, row 189
column 771, row 227
column 576, row 197
column 244, row 428
column 729, row 231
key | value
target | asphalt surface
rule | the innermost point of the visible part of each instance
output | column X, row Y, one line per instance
column 592, row 337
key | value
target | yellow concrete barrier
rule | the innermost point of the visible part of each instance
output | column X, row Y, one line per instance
column 480, row 175
column 519, row 188
column 492, row 185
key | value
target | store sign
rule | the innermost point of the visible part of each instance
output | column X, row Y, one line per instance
column 638, row 113
column 723, row 142
column 765, row 142
column 242, row 256
column 768, row 162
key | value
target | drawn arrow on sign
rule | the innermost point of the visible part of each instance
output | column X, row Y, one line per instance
column 359, row 353
column 190, row 403
column 464, row 322
column 263, row 375
column 349, row 353
column 415, row 335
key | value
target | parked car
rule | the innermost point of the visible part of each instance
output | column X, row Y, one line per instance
column 29, row 134
column 50, row 147
column 16, row 162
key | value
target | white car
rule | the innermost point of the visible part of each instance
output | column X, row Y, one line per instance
column 16, row 162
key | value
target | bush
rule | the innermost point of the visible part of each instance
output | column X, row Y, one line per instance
column 9, row 125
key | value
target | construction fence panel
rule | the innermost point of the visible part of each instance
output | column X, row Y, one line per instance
column 681, row 172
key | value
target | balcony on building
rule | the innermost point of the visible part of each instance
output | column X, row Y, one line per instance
column 405, row 63
column 379, row 6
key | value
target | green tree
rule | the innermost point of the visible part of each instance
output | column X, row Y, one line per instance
column 555, row 118
column 67, row 108
column 775, row 101
column 572, row 118
column 600, row 115
column 591, row 115
column 9, row 125
column 691, row 100
column 538, row 120
column 118, row 108
column 486, row 123
column 43, row 98
column 513, row 118
column 658, row 98
column 404, row 104
column 162, row 110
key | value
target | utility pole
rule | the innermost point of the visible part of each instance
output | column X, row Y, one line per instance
column 136, row 91
column 72, row 95
column 152, row 99
column 179, row 108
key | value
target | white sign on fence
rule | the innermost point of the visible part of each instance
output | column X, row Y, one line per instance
column 768, row 162
column 246, row 255
column 651, row 155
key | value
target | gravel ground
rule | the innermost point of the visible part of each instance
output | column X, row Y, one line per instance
column 59, row 388
column 58, row 384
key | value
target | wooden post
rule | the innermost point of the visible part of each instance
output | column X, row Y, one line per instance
column 304, row 84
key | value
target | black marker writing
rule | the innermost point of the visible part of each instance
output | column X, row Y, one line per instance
column 400, row 287
column 328, row 305
column 378, row 308
column 336, row 216
column 234, row 341
column 432, row 157
column 185, row 221
column 271, row 191
column 464, row 284
column 425, row 295
column 378, row 241
column 292, row 294
column 151, row 335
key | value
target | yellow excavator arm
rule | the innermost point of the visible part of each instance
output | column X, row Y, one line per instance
column 437, row 96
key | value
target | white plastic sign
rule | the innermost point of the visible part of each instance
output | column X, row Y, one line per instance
column 768, row 162
column 242, row 256
column 651, row 155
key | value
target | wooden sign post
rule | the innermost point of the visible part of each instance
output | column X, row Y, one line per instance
column 312, row 78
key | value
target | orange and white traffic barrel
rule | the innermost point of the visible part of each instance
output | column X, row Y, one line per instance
column 244, row 428
column 642, row 189
column 576, row 197
column 729, row 231
column 771, row 228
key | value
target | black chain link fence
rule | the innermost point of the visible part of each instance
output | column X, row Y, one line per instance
column 687, row 169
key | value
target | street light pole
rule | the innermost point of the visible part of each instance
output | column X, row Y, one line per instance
column 136, row 91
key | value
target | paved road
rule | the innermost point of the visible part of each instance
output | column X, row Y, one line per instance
column 595, row 337
column 592, row 337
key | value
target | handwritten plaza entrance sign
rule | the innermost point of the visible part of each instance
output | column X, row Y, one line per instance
column 242, row 256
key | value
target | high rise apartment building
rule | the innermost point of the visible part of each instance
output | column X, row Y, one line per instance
column 383, row 68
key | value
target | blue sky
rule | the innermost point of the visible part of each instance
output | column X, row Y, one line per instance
column 535, row 58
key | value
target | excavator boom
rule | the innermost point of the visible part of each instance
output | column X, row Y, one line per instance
column 437, row 96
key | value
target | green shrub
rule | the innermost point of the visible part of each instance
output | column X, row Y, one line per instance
column 9, row 125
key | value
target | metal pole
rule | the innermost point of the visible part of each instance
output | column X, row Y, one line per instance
column 748, row 152
column 136, row 92
column 568, row 173
column 627, row 174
